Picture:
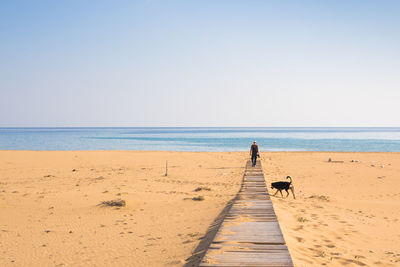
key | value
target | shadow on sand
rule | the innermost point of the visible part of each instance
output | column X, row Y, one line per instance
column 205, row 242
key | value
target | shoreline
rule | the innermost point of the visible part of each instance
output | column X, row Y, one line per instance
column 179, row 151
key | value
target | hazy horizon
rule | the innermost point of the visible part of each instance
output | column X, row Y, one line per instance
column 217, row 127
column 199, row 64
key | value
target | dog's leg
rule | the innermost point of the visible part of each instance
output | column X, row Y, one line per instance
column 287, row 192
column 281, row 193
column 276, row 192
column 292, row 189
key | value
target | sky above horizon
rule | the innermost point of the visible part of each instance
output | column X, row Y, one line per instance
column 199, row 63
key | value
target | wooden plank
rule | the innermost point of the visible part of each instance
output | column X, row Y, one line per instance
column 250, row 234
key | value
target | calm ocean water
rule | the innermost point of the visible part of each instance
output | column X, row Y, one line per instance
column 201, row 139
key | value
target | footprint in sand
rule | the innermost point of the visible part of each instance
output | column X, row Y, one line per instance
column 338, row 237
column 315, row 226
column 298, row 228
column 348, row 261
column 299, row 239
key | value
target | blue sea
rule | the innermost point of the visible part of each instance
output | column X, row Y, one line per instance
column 201, row 139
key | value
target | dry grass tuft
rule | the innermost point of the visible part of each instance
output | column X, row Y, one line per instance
column 302, row 219
column 200, row 188
column 113, row 203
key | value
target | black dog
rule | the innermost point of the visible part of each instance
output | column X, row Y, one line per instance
column 284, row 186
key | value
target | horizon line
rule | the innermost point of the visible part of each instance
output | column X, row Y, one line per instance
column 54, row 127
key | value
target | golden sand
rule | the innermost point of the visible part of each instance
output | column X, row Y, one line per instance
column 345, row 213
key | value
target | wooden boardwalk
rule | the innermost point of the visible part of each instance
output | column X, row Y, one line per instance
column 249, row 234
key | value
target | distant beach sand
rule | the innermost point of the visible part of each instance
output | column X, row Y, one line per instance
column 345, row 213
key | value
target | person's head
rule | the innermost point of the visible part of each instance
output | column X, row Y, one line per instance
column 254, row 143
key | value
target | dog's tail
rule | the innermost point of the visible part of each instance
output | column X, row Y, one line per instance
column 288, row 177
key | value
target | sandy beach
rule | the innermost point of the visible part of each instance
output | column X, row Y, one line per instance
column 346, row 212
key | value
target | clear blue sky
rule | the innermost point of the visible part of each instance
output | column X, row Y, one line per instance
column 200, row 63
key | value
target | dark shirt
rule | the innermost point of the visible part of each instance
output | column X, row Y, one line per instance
column 254, row 150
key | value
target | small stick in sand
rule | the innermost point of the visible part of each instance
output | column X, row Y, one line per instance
column 166, row 168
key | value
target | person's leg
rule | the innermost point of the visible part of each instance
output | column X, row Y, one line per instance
column 253, row 160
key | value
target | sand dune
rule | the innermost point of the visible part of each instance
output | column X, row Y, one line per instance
column 345, row 213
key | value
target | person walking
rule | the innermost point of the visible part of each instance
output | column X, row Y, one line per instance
column 254, row 153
